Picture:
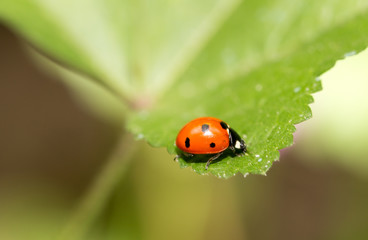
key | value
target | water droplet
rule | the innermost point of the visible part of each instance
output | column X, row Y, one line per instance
column 349, row 54
column 141, row 136
column 297, row 89
column 259, row 87
column 260, row 160
column 318, row 79
column 257, row 155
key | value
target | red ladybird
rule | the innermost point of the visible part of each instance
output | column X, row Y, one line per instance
column 208, row 135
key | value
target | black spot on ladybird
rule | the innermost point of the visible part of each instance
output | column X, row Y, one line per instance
column 205, row 127
column 224, row 125
column 187, row 142
column 212, row 145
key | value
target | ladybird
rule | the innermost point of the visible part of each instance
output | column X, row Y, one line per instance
column 209, row 135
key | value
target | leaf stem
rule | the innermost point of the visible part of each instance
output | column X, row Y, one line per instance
column 94, row 201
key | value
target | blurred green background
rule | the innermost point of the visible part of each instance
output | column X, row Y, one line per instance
column 51, row 147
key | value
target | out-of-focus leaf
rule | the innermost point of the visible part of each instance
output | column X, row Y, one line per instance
column 338, row 131
column 88, row 93
column 127, row 46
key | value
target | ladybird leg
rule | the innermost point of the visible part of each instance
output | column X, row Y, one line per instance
column 244, row 150
column 232, row 148
column 188, row 154
column 212, row 158
column 241, row 154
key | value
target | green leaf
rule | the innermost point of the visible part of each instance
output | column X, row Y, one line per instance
column 129, row 47
column 251, row 63
column 262, row 105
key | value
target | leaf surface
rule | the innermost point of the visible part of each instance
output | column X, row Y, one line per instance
column 263, row 105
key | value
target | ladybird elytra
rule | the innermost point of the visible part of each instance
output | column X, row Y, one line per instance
column 203, row 136
column 209, row 135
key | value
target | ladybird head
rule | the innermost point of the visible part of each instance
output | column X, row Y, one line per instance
column 237, row 142
column 240, row 145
